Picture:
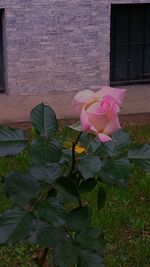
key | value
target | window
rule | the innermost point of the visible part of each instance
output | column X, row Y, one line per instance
column 130, row 43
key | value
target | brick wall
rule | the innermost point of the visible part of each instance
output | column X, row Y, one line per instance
column 54, row 45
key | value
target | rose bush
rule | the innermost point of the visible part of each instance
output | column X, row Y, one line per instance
column 48, row 204
column 99, row 111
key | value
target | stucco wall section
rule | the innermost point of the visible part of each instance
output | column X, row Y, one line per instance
column 55, row 45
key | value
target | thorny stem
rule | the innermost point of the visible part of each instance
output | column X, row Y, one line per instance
column 41, row 261
column 73, row 153
column 74, row 161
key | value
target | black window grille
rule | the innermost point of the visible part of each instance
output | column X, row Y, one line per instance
column 130, row 43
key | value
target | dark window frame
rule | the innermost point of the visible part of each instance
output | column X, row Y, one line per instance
column 113, row 80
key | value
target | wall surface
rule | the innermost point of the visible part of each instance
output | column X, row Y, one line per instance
column 55, row 45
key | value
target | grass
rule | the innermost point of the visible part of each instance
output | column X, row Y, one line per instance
column 124, row 220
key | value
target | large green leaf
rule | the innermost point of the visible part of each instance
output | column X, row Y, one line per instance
column 48, row 174
column 90, row 259
column 141, row 152
column 22, row 188
column 144, row 164
column 64, row 197
column 12, row 141
column 90, row 238
column 141, row 157
column 49, row 236
column 68, row 185
column 43, row 118
column 15, row 226
column 101, row 198
column 66, row 155
column 94, row 145
column 121, row 138
column 79, row 218
column 116, row 172
column 85, row 139
column 89, row 166
column 115, row 147
column 43, row 151
column 87, row 185
column 51, row 211
column 66, row 253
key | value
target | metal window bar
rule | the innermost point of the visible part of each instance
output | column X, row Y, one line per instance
column 130, row 44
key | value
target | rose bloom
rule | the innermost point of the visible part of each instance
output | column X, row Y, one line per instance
column 99, row 111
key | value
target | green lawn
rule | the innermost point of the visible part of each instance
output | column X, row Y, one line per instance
column 124, row 220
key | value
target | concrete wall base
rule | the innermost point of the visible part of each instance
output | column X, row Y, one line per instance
column 17, row 108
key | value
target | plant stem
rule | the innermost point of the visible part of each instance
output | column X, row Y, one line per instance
column 73, row 153
column 74, row 161
column 43, row 257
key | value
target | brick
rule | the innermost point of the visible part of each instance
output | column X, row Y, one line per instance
column 54, row 45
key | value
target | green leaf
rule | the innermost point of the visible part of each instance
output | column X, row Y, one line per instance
column 94, row 145
column 122, row 139
column 90, row 259
column 49, row 236
column 79, row 218
column 43, row 118
column 43, row 151
column 115, row 147
column 144, row 164
column 66, row 253
column 77, row 127
column 66, row 156
column 48, row 174
column 140, row 156
column 90, row 238
column 15, row 226
column 116, row 172
column 68, row 185
column 22, row 188
column 101, row 198
column 85, row 138
column 64, row 197
column 142, row 152
column 12, row 141
column 51, row 211
column 87, row 185
column 89, row 166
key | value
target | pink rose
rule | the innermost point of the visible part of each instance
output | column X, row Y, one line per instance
column 99, row 111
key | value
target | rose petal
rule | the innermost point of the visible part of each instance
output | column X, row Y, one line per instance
column 98, row 120
column 117, row 94
column 111, row 104
column 104, row 137
column 112, row 126
column 93, row 130
column 101, row 136
column 82, row 98
column 85, row 124
column 94, row 108
column 106, row 106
